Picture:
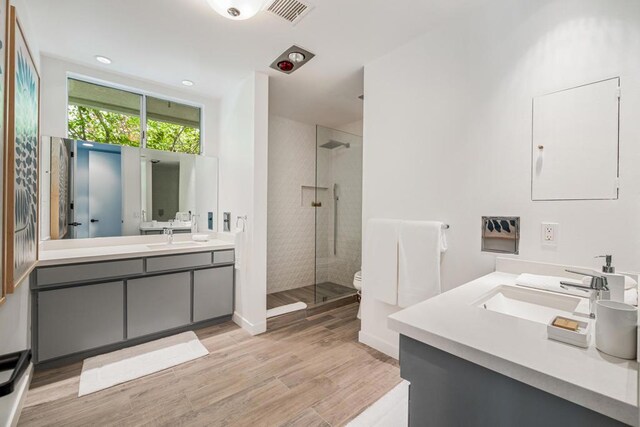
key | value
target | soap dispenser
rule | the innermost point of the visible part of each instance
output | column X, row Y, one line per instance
column 614, row 281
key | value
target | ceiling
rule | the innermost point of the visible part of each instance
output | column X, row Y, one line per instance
column 167, row 41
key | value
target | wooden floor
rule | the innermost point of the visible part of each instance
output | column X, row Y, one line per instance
column 311, row 373
column 311, row 295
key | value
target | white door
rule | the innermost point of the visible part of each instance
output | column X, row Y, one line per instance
column 105, row 194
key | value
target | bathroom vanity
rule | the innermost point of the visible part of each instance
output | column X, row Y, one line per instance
column 90, row 297
column 469, row 364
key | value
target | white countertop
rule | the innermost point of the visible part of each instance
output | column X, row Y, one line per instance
column 114, row 248
column 519, row 349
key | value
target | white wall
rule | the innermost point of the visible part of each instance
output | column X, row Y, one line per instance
column 243, row 191
column 448, row 134
column 15, row 317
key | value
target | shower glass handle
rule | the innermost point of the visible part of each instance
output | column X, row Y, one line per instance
column 335, row 219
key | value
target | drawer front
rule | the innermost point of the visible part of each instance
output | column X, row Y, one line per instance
column 223, row 257
column 75, row 319
column 212, row 293
column 178, row 262
column 158, row 303
column 86, row 272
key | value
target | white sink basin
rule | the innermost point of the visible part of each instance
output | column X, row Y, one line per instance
column 175, row 245
column 530, row 304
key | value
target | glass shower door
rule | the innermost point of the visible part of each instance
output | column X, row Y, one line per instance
column 338, row 212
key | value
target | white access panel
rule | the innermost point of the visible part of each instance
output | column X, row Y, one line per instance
column 575, row 143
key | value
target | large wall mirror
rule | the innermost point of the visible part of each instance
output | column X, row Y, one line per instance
column 91, row 189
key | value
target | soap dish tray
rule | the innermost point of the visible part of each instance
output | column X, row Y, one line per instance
column 579, row 338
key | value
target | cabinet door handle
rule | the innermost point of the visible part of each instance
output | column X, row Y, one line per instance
column 95, row 220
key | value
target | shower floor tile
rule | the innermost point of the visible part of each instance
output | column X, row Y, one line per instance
column 310, row 295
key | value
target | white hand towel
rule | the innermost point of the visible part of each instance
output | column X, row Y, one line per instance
column 421, row 244
column 239, row 246
column 380, row 261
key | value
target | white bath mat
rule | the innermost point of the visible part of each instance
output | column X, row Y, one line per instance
column 107, row 370
column 391, row 410
column 284, row 309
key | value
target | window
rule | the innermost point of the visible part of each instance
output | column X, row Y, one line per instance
column 103, row 114
column 172, row 126
column 114, row 116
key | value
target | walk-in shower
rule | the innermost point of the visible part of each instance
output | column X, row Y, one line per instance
column 315, row 211
column 338, row 212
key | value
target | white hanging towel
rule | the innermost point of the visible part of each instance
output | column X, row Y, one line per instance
column 420, row 246
column 239, row 247
column 380, row 264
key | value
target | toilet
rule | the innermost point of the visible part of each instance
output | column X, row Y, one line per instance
column 357, row 283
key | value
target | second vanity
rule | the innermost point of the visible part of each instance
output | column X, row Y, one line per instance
column 103, row 294
column 472, row 364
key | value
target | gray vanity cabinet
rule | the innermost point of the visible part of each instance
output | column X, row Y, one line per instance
column 75, row 319
column 158, row 303
column 212, row 293
column 84, row 309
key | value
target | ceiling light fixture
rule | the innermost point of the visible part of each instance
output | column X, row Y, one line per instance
column 187, row 82
column 285, row 65
column 292, row 59
column 296, row 57
column 237, row 9
column 103, row 59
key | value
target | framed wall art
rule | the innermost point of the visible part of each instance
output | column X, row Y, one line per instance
column 21, row 159
column 4, row 19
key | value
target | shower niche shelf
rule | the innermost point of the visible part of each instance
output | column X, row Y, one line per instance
column 310, row 197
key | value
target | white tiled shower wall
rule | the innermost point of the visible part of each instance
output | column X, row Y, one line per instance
column 290, row 226
column 291, row 219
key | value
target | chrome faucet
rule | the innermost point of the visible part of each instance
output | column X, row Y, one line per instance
column 598, row 289
column 169, row 233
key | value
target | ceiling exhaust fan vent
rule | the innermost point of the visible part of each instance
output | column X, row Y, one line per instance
column 290, row 10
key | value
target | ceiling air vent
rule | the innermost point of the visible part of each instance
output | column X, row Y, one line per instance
column 290, row 10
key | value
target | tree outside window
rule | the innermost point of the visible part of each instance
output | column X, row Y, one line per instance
column 113, row 116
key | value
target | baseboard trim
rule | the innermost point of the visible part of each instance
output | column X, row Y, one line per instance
column 253, row 329
column 380, row 345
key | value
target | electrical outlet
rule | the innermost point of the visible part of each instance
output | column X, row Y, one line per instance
column 549, row 234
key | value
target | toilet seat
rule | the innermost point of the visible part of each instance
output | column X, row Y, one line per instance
column 357, row 280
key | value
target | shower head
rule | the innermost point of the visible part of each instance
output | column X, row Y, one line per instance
column 335, row 144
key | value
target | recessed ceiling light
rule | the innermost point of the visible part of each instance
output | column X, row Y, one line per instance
column 187, row 82
column 103, row 59
column 87, row 144
column 296, row 57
